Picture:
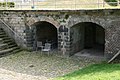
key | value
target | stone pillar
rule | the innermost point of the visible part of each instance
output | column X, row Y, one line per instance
column 34, row 41
column 29, row 37
column 63, row 40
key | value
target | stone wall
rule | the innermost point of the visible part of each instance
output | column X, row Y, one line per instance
column 108, row 21
column 77, row 33
column 16, row 22
column 23, row 23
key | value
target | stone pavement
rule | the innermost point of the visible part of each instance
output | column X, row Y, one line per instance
column 35, row 66
column 10, row 75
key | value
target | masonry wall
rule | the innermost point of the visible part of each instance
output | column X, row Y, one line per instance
column 100, row 35
column 77, row 35
column 22, row 22
column 17, row 24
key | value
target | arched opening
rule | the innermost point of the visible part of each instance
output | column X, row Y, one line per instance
column 88, row 38
column 46, row 33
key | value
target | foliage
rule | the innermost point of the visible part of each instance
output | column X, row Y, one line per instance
column 95, row 72
column 112, row 2
column 7, row 4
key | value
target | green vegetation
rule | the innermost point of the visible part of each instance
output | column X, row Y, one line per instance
column 7, row 4
column 95, row 72
column 112, row 2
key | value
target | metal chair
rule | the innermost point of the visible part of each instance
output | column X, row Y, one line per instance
column 39, row 45
column 47, row 48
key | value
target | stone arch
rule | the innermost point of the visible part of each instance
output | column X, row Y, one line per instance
column 45, row 32
column 73, row 22
column 32, row 21
column 86, row 36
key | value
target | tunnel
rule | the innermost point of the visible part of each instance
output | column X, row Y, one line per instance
column 46, row 33
column 87, row 38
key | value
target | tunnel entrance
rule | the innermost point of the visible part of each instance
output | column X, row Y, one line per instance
column 46, row 33
column 88, row 39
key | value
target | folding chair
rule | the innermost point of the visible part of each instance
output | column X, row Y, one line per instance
column 39, row 45
column 47, row 48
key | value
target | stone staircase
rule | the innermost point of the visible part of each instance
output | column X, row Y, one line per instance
column 7, row 44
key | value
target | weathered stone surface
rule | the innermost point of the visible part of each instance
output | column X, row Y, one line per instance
column 23, row 24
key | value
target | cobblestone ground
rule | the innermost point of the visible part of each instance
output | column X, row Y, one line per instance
column 37, row 66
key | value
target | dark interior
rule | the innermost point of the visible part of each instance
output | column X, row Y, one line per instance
column 89, row 36
column 47, row 33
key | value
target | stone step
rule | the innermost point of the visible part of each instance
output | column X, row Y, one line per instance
column 2, row 45
column 7, row 44
column 17, row 50
column 12, row 52
column 2, row 40
column 5, row 51
column 2, row 33
column 2, row 36
column 7, row 41
column 12, row 45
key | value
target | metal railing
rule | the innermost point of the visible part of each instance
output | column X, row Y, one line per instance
column 21, row 39
column 59, row 4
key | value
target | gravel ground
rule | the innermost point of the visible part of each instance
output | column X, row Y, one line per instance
column 36, row 66
column 10, row 75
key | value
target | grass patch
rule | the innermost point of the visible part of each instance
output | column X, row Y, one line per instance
column 95, row 72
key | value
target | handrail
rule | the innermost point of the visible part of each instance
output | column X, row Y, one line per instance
column 11, row 29
column 118, row 53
